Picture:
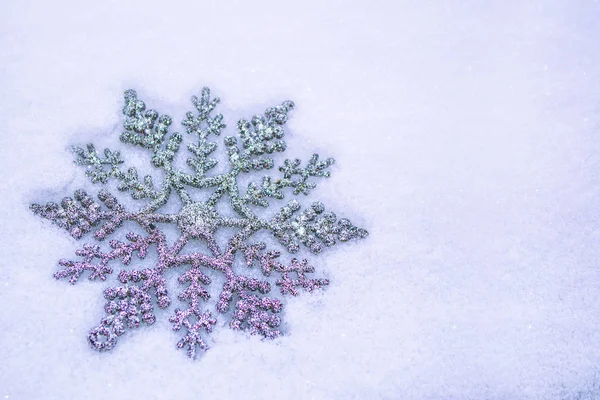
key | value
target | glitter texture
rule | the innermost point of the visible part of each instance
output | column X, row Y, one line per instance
column 254, row 308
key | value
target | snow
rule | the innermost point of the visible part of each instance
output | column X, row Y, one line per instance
column 464, row 134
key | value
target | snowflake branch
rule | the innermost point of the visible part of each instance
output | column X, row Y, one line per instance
column 74, row 269
column 198, row 258
column 129, row 305
column 193, row 318
column 256, row 315
column 144, row 127
column 257, row 195
column 160, row 200
column 311, row 228
column 267, row 260
column 268, row 263
column 300, row 268
column 97, row 173
column 262, row 135
column 79, row 216
column 75, row 216
column 203, row 125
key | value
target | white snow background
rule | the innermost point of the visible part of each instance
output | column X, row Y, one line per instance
column 465, row 135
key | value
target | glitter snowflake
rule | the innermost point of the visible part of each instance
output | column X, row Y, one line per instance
column 132, row 302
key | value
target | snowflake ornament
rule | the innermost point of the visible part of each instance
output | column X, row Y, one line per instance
column 132, row 303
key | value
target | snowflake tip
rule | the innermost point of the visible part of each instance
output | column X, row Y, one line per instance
column 102, row 338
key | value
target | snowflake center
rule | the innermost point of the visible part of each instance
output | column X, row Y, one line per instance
column 197, row 220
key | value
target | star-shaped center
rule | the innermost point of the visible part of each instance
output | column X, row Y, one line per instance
column 198, row 220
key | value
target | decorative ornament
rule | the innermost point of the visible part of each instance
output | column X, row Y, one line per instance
column 132, row 303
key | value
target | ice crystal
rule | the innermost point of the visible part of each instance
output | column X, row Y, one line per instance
column 254, row 308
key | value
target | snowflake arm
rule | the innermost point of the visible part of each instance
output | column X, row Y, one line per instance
column 129, row 180
column 75, row 216
column 203, row 125
column 79, row 216
column 257, row 315
column 193, row 318
column 129, row 305
column 313, row 227
column 74, row 269
column 82, row 215
column 300, row 268
column 263, row 135
column 146, row 129
column 269, row 263
column 273, row 188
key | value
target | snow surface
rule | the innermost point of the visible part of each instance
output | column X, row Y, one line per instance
column 466, row 139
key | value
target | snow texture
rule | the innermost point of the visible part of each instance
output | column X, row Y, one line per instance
column 465, row 135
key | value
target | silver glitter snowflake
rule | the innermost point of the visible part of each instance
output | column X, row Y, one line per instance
column 132, row 302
